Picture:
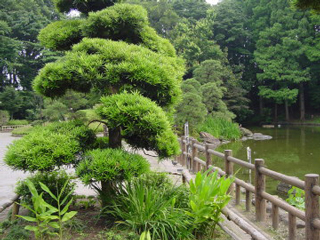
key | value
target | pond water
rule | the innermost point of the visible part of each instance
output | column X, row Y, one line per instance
column 293, row 150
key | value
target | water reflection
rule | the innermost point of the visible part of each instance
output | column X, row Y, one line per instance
column 294, row 150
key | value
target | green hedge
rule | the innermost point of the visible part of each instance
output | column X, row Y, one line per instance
column 46, row 148
column 111, row 165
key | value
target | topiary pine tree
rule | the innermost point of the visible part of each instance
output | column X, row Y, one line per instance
column 116, row 51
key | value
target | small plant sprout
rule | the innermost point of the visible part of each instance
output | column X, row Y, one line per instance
column 47, row 216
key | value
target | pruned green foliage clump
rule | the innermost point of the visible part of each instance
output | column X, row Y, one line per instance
column 120, row 22
column 98, row 63
column 111, row 165
column 143, row 123
column 61, row 35
column 45, row 148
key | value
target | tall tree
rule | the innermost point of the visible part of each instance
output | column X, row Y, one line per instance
column 21, row 56
column 115, row 50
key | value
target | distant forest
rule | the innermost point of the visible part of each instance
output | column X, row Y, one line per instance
column 251, row 61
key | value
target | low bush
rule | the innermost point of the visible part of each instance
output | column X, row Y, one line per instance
column 145, row 208
column 22, row 131
column 17, row 122
column 115, row 165
column 53, row 180
column 220, row 128
column 45, row 148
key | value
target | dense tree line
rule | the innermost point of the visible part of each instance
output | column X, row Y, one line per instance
column 270, row 48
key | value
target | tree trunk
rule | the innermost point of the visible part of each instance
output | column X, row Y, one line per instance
column 107, row 188
column 107, row 193
column 302, row 103
column 276, row 112
column 261, row 105
column 115, row 137
column 287, row 110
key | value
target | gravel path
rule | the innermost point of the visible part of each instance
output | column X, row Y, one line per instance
column 8, row 177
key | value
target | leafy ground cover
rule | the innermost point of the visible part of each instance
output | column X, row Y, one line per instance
column 148, row 205
column 22, row 131
column 87, row 224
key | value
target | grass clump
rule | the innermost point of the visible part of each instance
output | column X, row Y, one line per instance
column 220, row 128
column 144, row 205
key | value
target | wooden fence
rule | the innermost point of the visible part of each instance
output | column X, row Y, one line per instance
column 311, row 215
column 11, row 127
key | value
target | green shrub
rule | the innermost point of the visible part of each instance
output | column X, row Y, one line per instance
column 46, row 216
column 17, row 122
column 22, row 130
column 61, row 35
column 161, row 181
column 53, row 180
column 220, row 128
column 208, row 195
column 144, row 208
column 45, row 148
column 143, row 123
column 4, row 117
column 110, row 165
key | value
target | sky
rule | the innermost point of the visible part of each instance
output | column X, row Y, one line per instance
column 213, row 2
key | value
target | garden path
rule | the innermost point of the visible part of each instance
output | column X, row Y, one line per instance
column 8, row 177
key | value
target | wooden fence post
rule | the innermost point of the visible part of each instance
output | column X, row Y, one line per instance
column 292, row 227
column 208, row 156
column 275, row 216
column 181, row 155
column 238, row 194
column 15, row 210
column 260, row 183
column 248, row 200
column 311, row 206
column 194, row 165
column 183, row 149
column 228, row 168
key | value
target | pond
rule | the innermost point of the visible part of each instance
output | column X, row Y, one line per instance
column 293, row 150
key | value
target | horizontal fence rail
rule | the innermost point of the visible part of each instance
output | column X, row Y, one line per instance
column 11, row 127
column 189, row 157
